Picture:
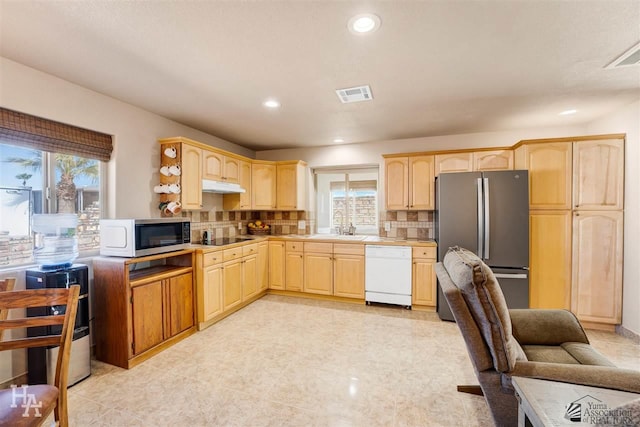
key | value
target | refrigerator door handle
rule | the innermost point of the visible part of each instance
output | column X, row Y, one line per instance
column 486, row 219
column 510, row 276
column 480, row 219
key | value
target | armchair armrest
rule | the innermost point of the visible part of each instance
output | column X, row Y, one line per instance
column 590, row 375
column 546, row 327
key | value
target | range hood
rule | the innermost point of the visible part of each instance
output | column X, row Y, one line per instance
column 219, row 187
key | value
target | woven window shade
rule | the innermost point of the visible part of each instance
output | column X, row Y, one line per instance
column 47, row 135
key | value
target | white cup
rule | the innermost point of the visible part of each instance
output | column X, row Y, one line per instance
column 174, row 208
column 165, row 170
column 175, row 170
column 174, row 188
column 158, row 189
column 171, row 152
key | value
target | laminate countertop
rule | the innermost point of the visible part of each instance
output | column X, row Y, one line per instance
column 322, row 238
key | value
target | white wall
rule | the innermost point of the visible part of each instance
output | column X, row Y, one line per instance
column 627, row 120
column 133, row 169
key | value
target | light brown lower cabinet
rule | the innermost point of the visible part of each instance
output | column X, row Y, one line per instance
column 424, row 276
column 146, row 305
column 318, row 268
column 550, row 259
column 348, row 270
column 597, row 266
column 294, row 267
column 263, row 266
column 231, row 284
column 276, row 265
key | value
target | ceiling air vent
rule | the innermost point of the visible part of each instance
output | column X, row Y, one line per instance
column 355, row 94
column 630, row 57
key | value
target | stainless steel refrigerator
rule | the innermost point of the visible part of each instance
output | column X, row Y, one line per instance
column 487, row 213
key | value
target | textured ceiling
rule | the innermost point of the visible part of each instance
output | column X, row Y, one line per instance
column 434, row 67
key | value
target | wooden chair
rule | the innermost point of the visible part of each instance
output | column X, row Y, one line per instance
column 6, row 285
column 34, row 403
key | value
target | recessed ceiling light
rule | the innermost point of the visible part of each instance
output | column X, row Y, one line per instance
column 568, row 112
column 338, row 140
column 364, row 23
column 271, row 103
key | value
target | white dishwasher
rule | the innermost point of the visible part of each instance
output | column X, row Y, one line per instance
column 388, row 274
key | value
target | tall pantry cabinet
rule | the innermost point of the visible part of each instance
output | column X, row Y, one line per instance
column 576, row 225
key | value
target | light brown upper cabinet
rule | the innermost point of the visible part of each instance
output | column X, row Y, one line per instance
column 396, row 172
column 240, row 201
column 598, row 174
column 421, row 183
column 494, row 160
column 218, row 167
column 263, row 185
column 549, row 166
column 454, row 162
column 410, row 183
column 597, row 266
column 191, row 177
column 290, row 185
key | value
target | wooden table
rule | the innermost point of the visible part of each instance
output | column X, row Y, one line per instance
column 550, row 403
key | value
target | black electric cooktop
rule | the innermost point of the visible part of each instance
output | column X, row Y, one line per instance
column 225, row 241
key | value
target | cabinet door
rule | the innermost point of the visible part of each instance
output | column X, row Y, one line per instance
column 596, row 294
column 263, row 186
column 318, row 277
column 494, row 160
column 348, row 276
column 249, row 276
column 598, row 175
column 549, row 166
column 294, row 275
column 289, row 186
column 179, row 313
column 263, row 266
column 453, row 162
column 550, row 259
column 232, row 284
column 147, row 316
column 276, row 265
column 240, row 201
column 212, row 165
column 424, row 282
column 396, row 173
column 231, row 171
column 212, row 292
column 191, row 177
column 422, row 183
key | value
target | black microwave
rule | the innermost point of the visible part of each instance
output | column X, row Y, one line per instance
column 141, row 237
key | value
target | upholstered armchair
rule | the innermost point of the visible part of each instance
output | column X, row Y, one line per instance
column 544, row 344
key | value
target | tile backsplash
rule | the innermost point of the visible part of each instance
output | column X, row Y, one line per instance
column 407, row 224
column 225, row 223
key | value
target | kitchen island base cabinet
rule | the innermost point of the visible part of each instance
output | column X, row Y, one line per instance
column 146, row 305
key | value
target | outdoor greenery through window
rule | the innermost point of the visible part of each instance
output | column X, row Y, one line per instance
column 347, row 198
column 34, row 182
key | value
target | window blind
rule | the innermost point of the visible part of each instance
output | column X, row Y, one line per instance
column 55, row 137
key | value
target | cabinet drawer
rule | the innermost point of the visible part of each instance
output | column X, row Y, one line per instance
column 211, row 258
column 425, row 252
column 348, row 249
column 318, row 247
column 294, row 246
column 250, row 249
column 230, row 254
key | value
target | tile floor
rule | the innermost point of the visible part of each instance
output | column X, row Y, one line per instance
column 294, row 362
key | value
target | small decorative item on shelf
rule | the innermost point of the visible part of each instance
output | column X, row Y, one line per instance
column 259, row 228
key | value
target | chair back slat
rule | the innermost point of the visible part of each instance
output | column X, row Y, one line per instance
column 33, row 298
column 44, row 341
column 29, row 322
